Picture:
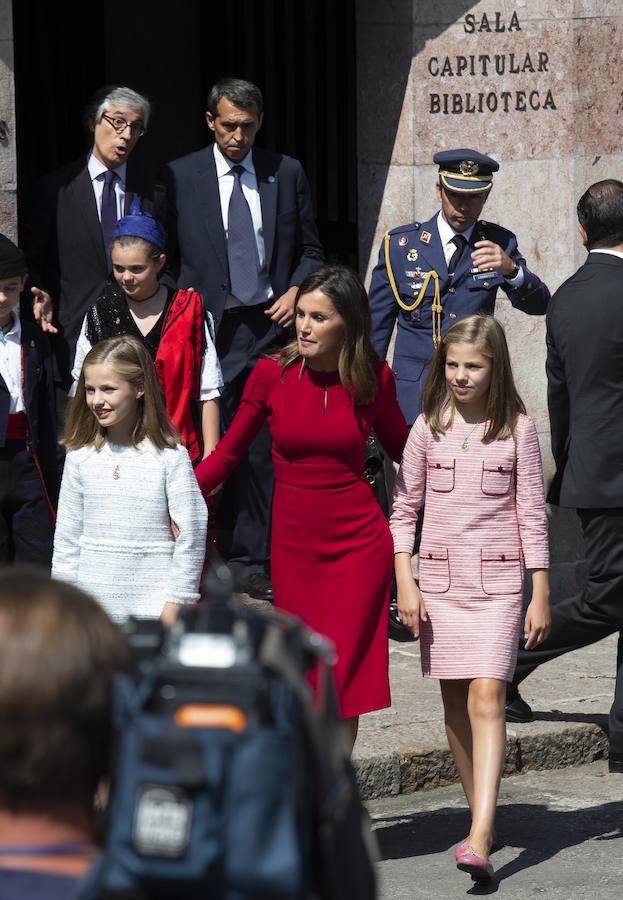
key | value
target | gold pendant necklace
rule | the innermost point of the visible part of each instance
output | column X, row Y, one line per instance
column 325, row 397
column 116, row 474
column 465, row 444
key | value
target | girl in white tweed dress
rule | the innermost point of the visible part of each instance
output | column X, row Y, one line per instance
column 475, row 454
column 127, row 485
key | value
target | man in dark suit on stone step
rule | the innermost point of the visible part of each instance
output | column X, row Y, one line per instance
column 70, row 217
column 243, row 234
column 585, row 398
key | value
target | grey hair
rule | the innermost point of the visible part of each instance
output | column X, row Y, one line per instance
column 237, row 91
column 116, row 95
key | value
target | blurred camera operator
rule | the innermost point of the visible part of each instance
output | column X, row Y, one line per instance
column 59, row 652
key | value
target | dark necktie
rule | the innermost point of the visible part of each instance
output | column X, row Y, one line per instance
column 459, row 242
column 109, row 211
column 241, row 244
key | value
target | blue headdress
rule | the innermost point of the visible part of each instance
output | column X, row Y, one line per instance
column 141, row 225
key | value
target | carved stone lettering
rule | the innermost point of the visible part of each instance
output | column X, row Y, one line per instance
column 487, row 98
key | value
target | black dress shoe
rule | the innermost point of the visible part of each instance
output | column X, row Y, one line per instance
column 517, row 710
column 259, row 586
column 615, row 763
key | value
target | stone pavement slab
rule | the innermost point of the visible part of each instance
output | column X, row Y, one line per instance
column 560, row 835
column 404, row 748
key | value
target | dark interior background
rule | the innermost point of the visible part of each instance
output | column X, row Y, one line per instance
column 301, row 54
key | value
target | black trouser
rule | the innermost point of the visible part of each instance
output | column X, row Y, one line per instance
column 244, row 504
column 594, row 613
column 26, row 531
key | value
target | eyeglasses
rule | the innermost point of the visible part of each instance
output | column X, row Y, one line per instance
column 119, row 124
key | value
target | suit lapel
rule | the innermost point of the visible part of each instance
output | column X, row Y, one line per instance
column 81, row 200
column 82, row 207
column 210, row 203
column 268, row 186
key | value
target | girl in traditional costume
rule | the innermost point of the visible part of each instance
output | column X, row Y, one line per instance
column 173, row 326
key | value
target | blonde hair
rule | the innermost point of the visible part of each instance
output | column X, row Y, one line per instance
column 356, row 363
column 127, row 356
column 503, row 401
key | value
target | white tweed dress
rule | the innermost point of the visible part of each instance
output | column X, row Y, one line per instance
column 113, row 535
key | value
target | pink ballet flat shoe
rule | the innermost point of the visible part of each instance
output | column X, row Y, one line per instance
column 477, row 866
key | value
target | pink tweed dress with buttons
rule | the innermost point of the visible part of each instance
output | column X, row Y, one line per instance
column 484, row 521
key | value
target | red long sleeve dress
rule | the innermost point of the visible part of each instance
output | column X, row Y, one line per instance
column 331, row 549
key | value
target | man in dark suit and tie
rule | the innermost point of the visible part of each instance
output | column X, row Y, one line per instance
column 585, row 398
column 243, row 234
column 71, row 216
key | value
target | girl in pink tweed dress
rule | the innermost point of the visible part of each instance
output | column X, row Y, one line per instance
column 475, row 454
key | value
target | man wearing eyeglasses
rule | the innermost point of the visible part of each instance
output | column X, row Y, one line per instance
column 71, row 217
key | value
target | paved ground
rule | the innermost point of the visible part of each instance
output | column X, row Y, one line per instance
column 562, row 833
column 404, row 748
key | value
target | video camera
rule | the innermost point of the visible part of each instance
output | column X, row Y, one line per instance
column 231, row 781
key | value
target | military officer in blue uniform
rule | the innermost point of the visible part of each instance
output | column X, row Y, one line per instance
column 431, row 274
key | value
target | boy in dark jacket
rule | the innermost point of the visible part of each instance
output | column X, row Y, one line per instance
column 28, row 466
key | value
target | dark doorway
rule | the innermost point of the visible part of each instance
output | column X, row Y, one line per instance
column 301, row 54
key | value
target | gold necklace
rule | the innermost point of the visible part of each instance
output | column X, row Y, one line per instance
column 465, row 444
column 116, row 474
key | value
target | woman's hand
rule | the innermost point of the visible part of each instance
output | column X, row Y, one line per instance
column 538, row 618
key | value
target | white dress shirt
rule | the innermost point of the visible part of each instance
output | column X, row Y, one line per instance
column 97, row 171
column 11, row 364
column 446, row 233
column 251, row 192
column 608, row 251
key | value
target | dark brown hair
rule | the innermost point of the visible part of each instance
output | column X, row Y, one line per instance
column 127, row 356
column 600, row 213
column 503, row 403
column 357, row 359
column 59, row 653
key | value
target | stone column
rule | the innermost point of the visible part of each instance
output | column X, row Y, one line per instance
column 535, row 84
column 8, row 167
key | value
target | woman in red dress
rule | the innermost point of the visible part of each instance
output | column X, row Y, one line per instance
column 331, row 550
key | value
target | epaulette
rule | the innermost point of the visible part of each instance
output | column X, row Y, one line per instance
column 403, row 229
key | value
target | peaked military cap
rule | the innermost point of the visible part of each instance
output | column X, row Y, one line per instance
column 465, row 171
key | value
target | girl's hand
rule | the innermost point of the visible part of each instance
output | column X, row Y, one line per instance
column 411, row 606
column 538, row 622
column 169, row 614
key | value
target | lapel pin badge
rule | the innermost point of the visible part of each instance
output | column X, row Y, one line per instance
column 403, row 240
column 412, row 255
column 425, row 237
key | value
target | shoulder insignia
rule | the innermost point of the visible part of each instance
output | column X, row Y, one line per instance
column 403, row 229
column 425, row 237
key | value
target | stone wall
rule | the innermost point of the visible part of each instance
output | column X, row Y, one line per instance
column 534, row 83
column 8, row 169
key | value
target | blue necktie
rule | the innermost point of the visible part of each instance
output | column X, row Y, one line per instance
column 241, row 244
column 109, row 211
